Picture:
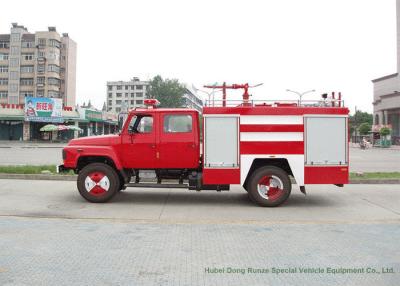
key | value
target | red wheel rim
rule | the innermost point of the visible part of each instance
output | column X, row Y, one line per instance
column 270, row 187
column 97, row 183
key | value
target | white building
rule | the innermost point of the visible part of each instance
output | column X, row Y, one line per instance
column 387, row 94
column 126, row 94
column 192, row 99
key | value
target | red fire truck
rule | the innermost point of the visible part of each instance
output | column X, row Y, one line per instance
column 261, row 146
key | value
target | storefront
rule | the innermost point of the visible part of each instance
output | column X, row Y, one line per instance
column 11, row 129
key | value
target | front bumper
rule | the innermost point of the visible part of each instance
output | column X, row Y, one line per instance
column 61, row 169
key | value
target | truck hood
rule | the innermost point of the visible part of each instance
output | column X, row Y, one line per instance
column 103, row 140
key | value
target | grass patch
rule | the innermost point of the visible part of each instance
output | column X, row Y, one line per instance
column 30, row 169
column 375, row 175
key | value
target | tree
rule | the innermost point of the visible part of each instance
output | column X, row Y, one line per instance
column 384, row 131
column 169, row 92
column 358, row 118
column 364, row 128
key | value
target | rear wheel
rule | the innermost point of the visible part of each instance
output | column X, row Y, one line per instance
column 269, row 186
column 98, row 182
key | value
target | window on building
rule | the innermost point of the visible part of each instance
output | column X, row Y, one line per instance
column 110, row 87
column 177, row 123
column 13, row 87
column 3, row 68
column 53, row 93
column 53, row 55
column 3, row 81
column 53, row 68
column 126, row 87
column 139, row 94
column 119, row 87
column 118, row 102
column 110, row 102
column 3, row 56
column 14, row 75
column 25, row 69
column 3, row 94
column 132, row 102
column 14, row 50
column 53, row 81
column 14, row 62
column 4, row 45
column 118, row 109
column 139, row 101
column 119, row 94
column 139, row 87
column 27, row 57
column 26, row 93
column 27, row 44
column 54, row 43
column 109, row 95
column 41, row 68
column 41, row 54
column 42, row 42
column 40, row 80
column 15, row 37
column 126, row 94
column 40, row 93
column 26, row 81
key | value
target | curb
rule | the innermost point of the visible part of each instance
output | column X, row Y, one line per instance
column 375, row 181
column 38, row 177
column 56, row 177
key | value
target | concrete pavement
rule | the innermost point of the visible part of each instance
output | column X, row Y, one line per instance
column 49, row 235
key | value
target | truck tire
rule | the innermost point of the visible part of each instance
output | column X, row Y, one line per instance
column 98, row 182
column 269, row 186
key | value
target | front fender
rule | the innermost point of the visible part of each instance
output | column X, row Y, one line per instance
column 73, row 153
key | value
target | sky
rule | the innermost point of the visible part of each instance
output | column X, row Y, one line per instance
column 329, row 45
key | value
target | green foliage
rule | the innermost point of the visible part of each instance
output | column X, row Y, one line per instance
column 31, row 169
column 27, row 169
column 359, row 118
column 169, row 92
column 364, row 128
column 384, row 131
column 375, row 175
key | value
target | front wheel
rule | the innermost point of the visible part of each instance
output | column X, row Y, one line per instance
column 98, row 182
column 269, row 186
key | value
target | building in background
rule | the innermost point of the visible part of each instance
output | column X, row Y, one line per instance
column 192, row 100
column 33, row 66
column 124, row 95
column 387, row 94
column 40, row 64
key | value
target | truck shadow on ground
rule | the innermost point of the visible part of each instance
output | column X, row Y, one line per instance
column 223, row 198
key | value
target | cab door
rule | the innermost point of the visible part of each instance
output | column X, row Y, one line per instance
column 178, row 144
column 139, row 144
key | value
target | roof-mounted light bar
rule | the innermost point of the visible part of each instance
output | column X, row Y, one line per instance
column 151, row 103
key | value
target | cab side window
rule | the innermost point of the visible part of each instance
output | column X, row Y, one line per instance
column 177, row 123
column 141, row 124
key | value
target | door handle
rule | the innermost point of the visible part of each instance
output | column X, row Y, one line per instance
column 152, row 145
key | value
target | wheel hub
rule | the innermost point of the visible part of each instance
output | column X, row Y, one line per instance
column 97, row 183
column 270, row 187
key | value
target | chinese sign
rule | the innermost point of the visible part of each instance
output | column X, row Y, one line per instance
column 93, row 115
column 42, row 109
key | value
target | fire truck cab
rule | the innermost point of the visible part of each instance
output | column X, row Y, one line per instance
column 262, row 146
